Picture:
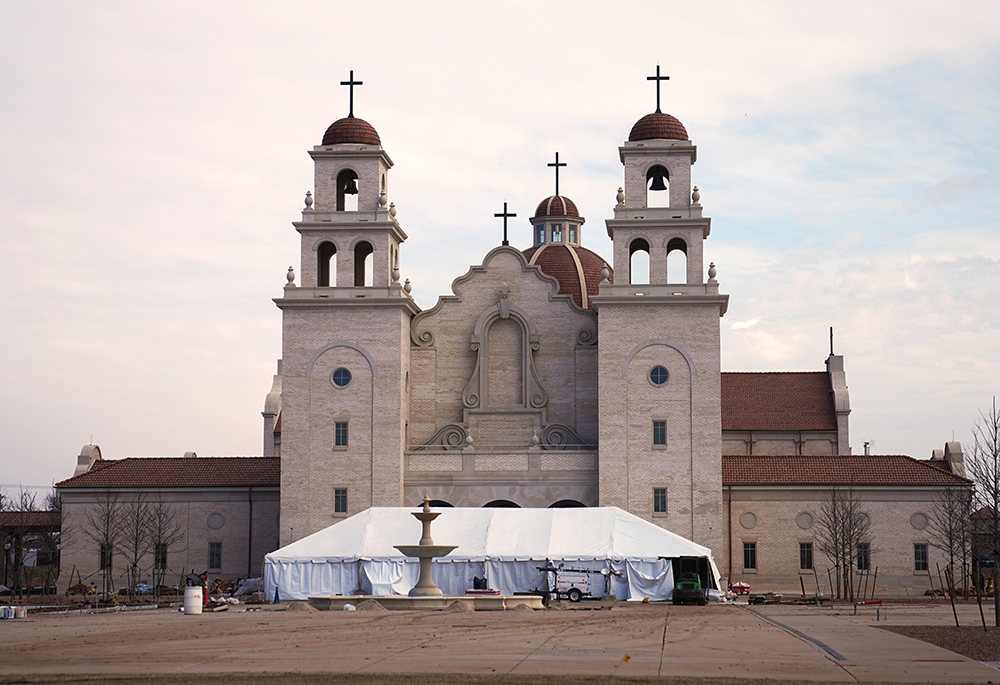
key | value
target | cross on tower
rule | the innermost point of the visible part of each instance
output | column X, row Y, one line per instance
column 557, row 164
column 350, row 83
column 505, row 215
column 658, row 78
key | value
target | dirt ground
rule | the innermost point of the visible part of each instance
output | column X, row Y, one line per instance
column 586, row 643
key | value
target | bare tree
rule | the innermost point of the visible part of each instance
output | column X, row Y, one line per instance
column 842, row 526
column 134, row 539
column 983, row 465
column 102, row 526
column 20, row 538
column 165, row 532
column 950, row 527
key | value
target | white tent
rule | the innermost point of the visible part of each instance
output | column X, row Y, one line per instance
column 505, row 546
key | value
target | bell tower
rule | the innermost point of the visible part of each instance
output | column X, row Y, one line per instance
column 345, row 329
column 659, row 361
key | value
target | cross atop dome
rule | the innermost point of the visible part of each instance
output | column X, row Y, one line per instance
column 557, row 164
column 656, row 78
column 350, row 83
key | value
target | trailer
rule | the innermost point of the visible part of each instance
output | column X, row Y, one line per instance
column 571, row 583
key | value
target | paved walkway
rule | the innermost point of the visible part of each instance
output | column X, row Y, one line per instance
column 774, row 642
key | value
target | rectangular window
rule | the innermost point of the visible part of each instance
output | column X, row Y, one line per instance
column 750, row 556
column 864, row 556
column 160, row 557
column 106, row 557
column 806, row 556
column 340, row 500
column 572, row 234
column 557, row 233
column 215, row 555
column 920, row 556
column 540, row 235
column 659, row 500
column 659, row 433
column 340, row 434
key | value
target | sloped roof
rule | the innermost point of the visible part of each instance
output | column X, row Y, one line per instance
column 556, row 260
column 179, row 472
column 30, row 520
column 799, row 400
column 884, row 470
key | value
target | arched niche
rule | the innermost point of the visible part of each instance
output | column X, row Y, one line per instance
column 517, row 330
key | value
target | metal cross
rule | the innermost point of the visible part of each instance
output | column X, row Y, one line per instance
column 505, row 215
column 350, row 83
column 658, row 78
column 557, row 164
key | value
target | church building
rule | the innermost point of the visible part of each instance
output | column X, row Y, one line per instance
column 549, row 377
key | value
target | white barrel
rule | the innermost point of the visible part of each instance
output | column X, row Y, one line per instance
column 193, row 597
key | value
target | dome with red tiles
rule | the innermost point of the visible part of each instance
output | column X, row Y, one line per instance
column 577, row 269
column 556, row 205
column 658, row 125
column 351, row 130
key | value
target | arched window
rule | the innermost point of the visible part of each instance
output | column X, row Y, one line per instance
column 363, row 262
column 441, row 504
column 326, row 269
column 677, row 261
column 501, row 504
column 658, row 186
column 638, row 258
column 347, row 191
column 567, row 504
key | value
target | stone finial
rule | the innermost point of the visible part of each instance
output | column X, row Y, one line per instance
column 696, row 196
column 309, row 199
column 382, row 199
column 392, row 209
column 290, row 277
column 605, row 274
column 427, row 502
column 712, row 271
column 395, row 275
column 468, row 449
column 407, row 288
column 620, row 196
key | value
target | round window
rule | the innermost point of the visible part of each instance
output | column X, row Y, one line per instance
column 658, row 375
column 341, row 378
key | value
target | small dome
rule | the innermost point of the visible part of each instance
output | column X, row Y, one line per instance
column 556, row 260
column 658, row 125
column 351, row 130
column 557, row 205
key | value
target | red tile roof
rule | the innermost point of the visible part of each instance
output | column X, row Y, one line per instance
column 556, row 205
column 30, row 520
column 883, row 470
column 178, row 472
column 556, row 261
column 351, row 130
column 658, row 125
column 777, row 401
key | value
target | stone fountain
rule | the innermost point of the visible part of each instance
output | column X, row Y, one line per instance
column 426, row 551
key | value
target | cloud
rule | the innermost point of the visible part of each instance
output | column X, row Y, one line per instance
column 949, row 191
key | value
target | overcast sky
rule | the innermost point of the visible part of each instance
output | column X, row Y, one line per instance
column 153, row 157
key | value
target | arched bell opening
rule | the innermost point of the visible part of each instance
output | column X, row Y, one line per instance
column 363, row 264
column 347, row 191
column 501, row 504
column 677, row 261
column 658, row 186
column 638, row 261
column 326, row 268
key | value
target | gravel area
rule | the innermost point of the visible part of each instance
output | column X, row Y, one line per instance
column 969, row 641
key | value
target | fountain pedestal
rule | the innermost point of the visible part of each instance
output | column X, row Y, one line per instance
column 426, row 551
